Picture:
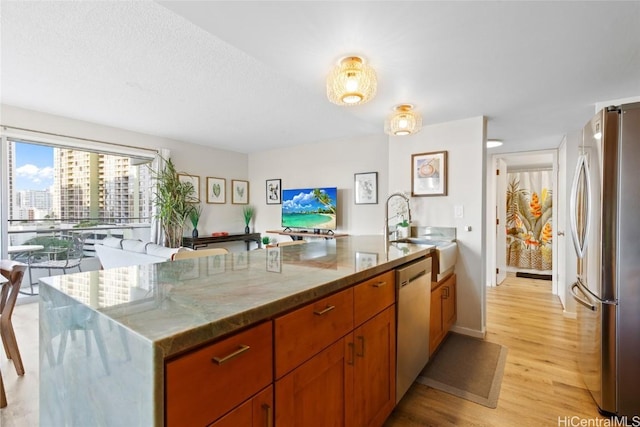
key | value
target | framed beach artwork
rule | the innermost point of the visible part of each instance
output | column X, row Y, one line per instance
column 366, row 188
column 240, row 192
column 194, row 180
column 216, row 190
column 274, row 192
column 429, row 174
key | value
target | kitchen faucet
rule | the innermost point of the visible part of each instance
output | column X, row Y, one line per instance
column 386, row 213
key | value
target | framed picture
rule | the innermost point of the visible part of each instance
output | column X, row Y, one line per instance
column 193, row 179
column 274, row 192
column 429, row 174
column 274, row 260
column 215, row 264
column 366, row 188
column 240, row 192
column 366, row 260
column 216, row 190
column 240, row 260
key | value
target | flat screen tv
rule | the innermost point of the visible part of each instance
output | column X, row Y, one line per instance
column 310, row 208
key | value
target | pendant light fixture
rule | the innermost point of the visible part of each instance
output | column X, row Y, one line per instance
column 403, row 121
column 351, row 82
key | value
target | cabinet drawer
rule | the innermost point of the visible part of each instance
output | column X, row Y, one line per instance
column 304, row 332
column 373, row 296
column 205, row 384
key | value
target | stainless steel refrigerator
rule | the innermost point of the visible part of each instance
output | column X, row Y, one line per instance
column 605, row 225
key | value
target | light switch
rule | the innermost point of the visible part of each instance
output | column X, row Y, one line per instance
column 458, row 211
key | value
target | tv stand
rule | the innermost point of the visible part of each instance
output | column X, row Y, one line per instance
column 298, row 235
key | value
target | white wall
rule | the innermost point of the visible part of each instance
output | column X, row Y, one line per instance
column 331, row 163
column 326, row 164
column 464, row 142
column 191, row 158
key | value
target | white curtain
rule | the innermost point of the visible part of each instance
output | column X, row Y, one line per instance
column 156, row 232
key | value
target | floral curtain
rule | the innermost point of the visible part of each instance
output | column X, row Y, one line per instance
column 529, row 221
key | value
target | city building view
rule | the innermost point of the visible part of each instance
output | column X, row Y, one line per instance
column 52, row 189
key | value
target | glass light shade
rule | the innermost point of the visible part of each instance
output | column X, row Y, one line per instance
column 493, row 143
column 352, row 82
column 404, row 121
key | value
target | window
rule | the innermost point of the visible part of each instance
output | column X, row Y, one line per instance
column 57, row 187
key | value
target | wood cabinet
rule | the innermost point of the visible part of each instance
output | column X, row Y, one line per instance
column 255, row 412
column 320, row 391
column 333, row 362
column 352, row 381
column 443, row 311
column 375, row 369
column 205, row 384
column 301, row 334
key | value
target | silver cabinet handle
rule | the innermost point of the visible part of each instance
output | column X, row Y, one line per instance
column 269, row 414
column 351, row 359
column 361, row 352
column 220, row 360
column 379, row 284
column 326, row 310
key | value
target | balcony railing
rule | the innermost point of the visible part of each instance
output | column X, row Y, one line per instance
column 20, row 232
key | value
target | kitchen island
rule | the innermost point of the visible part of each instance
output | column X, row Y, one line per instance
column 109, row 337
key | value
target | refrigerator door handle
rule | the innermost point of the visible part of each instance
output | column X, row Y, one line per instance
column 581, row 300
column 582, row 167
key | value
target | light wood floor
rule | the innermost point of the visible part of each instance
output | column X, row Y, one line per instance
column 540, row 383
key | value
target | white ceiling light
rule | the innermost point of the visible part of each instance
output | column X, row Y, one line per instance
column 352, row 82
column 493, row 143
column 403, row 121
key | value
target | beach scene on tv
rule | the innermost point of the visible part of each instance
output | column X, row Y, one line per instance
column 309, row 208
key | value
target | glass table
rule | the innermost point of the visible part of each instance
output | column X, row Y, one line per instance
column 28, row 250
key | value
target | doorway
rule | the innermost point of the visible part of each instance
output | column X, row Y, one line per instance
column 524, row 193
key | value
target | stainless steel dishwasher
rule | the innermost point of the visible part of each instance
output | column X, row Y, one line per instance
column 413, row 309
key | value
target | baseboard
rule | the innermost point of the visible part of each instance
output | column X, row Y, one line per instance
column 569, row 314
column 469, row 332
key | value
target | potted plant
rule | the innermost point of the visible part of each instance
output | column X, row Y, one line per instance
column 194, row 217
column 174, row 200
column 248, row 212
column 402, row 228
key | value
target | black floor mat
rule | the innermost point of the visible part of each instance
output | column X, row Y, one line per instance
column 534, row 276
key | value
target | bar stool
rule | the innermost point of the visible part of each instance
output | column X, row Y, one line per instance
column 13, row 271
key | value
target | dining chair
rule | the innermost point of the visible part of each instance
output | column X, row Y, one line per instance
column 293, row 242
column 3, row 395
column 13, row 271
column 199, row 253
column 66, row 256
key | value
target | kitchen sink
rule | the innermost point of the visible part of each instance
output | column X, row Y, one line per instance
column 446, row 254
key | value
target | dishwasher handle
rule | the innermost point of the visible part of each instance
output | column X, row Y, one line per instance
column 417, row 276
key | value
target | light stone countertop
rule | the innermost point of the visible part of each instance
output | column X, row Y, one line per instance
column 181, row 304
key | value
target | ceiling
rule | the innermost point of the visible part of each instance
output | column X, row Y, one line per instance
column 250, row 76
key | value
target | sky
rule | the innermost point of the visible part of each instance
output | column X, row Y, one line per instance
column 303, row 201
column 34, row 167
